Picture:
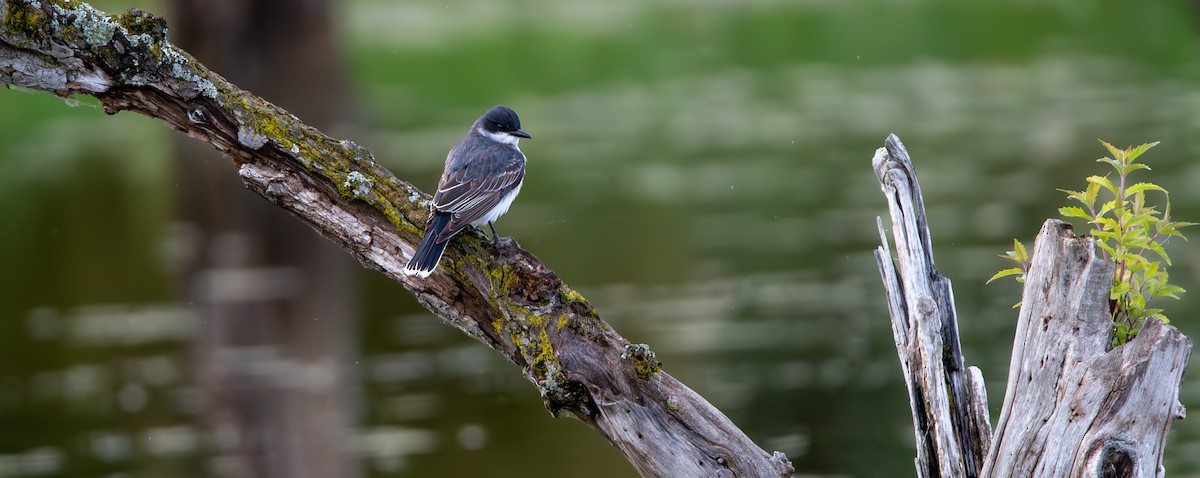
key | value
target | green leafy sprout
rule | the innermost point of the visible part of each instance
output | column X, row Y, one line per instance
column 1129, row 232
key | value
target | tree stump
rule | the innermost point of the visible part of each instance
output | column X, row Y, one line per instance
column 1074, row 405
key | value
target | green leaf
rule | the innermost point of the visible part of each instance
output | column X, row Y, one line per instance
column 1019, row 248
column 1135, row 226
column 1180, row 224
column 1137, row 151
column 1102, row 181
column 1005, row 273
column 1154, row 246
column 1125, row 214
column 1140, row 187
column 1120, row 333
column 1107, row 225
column 1092, row 191
column 1074, row 211
column 1136, row 241
column 1171, row 291
column 1135, row 266
column 1128, row 227
column 1118, row 290
column 1117, row 153
column 1132, row 167
column 1076, row 195
column 1145, row 218
column 1170, row 228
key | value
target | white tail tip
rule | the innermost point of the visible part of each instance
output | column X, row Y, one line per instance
column 417, row 272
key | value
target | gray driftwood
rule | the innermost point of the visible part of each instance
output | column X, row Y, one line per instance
column 501, row 295
column 1073, row 405
column 948, row 401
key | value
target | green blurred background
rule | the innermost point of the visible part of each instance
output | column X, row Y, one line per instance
column 699, row 170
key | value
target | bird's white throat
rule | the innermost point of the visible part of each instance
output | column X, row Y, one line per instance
column 500, row 136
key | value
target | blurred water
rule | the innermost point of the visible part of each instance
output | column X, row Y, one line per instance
column 700, row 171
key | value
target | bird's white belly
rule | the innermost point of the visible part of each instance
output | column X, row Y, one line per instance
column 500, row 208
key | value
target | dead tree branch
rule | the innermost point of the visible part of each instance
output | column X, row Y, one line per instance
column 501, row 295
column 948, row 401
column 1074, row 406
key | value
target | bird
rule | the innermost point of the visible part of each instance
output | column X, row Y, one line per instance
column 482, row 177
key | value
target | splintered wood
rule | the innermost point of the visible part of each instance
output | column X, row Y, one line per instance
column 1073, row 405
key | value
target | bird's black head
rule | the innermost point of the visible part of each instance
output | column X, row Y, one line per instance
column 502, row 120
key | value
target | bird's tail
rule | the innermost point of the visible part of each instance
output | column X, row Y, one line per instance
column 425, row 260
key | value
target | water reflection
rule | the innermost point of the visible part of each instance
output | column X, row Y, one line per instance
column 99, row 325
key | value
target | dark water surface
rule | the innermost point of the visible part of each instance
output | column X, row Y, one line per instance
column 700, row 171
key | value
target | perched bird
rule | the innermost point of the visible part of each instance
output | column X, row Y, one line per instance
column 482, row 177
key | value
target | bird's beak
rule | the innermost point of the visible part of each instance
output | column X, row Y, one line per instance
column 521, row 133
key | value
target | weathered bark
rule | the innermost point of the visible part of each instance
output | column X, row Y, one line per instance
column 1073, row 406
column 499, row 294
column 948, row 401
column 272, row 362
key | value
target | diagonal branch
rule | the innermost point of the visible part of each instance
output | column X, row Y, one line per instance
column 501, row 295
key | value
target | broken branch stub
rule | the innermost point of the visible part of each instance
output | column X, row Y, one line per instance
column 948, row 402
column 1073, row 405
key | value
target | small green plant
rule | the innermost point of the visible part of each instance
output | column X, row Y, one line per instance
column 1130, row 233
column 1021, row 257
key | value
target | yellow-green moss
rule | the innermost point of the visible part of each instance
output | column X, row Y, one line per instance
column 644, row 363
column 545, row 357
column 503, row 279
column 259, row 124
column 319, row 156
column 535, row 347
column 589, row 320
column 137, row 22
column 269, row 125
column 21, row 17
column 646, row 368
column 569, row 295
column 527, row 331
column 71, row 34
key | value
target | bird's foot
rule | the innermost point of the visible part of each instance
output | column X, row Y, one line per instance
column 495, row 237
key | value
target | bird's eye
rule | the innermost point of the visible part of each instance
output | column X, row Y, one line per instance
column 501, row 127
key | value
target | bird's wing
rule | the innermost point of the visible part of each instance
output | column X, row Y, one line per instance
column 470, row 191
